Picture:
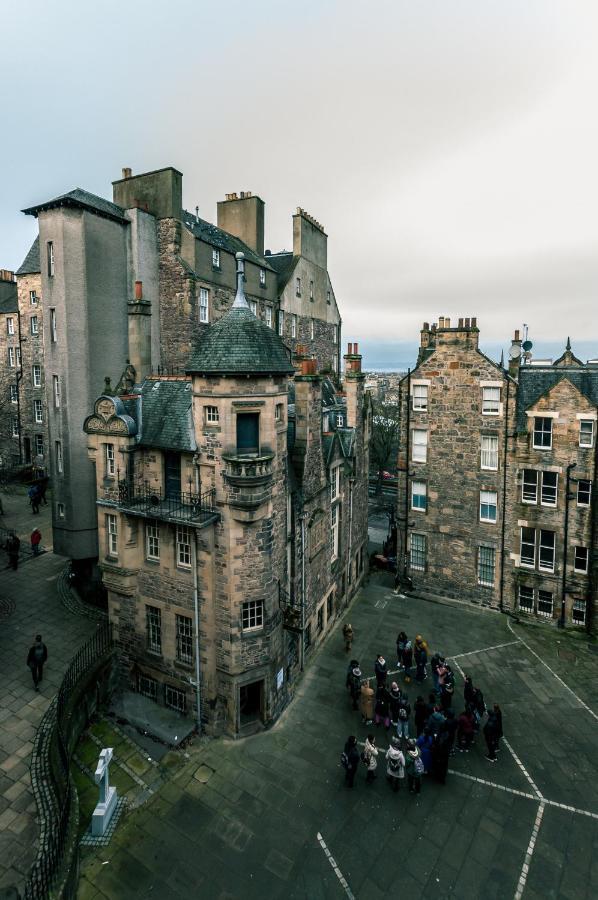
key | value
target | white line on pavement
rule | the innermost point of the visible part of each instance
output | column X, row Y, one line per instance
column 529, row 853
column 523, row 769
column 484, row 649
column 337, row 871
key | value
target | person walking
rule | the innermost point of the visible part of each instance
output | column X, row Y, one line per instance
column 408, row 661
column 498, row 716
column 479, row 708
column 381, row 709
column 381, row 670
column 350, row 667
column 465, row 730
column 33, row 494
column 401, row 641
column 468, row 692
column 37, row 656
column 440, row 756
column 355, row 685
column 424, row 743
column 404, row 713
column 12, row 548
column 414, row 768
column 348, row 636
column 36, row 539
column 350, row 760
column 370, row 758
column 436, row 667
column 450, row 727
column 491, row 735
column 420, row 655
column 395, row 764
column 420, row 715
column 446, row 695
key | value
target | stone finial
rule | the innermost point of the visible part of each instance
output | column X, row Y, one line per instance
column 568, row 346
column 240, row 301
column 502, row 359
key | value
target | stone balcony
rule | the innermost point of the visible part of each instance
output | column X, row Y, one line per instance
column 248, row 479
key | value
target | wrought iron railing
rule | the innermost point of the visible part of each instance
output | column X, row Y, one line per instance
column 183, row 506
column 50, row 760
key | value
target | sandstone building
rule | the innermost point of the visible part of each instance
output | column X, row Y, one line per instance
column 232, row 514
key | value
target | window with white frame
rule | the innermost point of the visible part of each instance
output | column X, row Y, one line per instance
column 269, row 316
column 262, row 278
column 548, row 496
column 542, row 433
column 38, row 412
column 340, row 421
column 216, row 259
column 298, row 286
column 34, row 325
column 184, row 639
column 334, row 529
column 183, row 546
column 546, row 551
column 578, row 611
column 489, row 452
column 56, row 390
column 545, row 604
column 490, row 401
column 335, row 482
column 252, row 615
column 18, row 355
column 582, row 555
column 148, row 687
column 58, row 456
column 36, row 375
column 488, row 503
column 153, row 623
column 312, row 329
column 253, row 307
column 281, row 322
column 60, row 510
column 420, row 397
column 278, row 412
column 110, row 460
column 526, row 598
column 204, row 305
column 419, row 495
column 418, row 552
column 112, row 534
column 419, row 445
column 10, row 325
column 586, row 433
column 33, row 298
column 328, row 300
column 13, row 393
column 334, row 334
column 584, row 492
column 11, row 357
column 293, row 326
column 15, row 426
column 486, row 565
column 175, row 698
column 53, row 330
column 527, row 549
column 311, row 291
column 152, row 540
column 212, row 416
column 529, row 490
column 50, row 250
column 39, row 445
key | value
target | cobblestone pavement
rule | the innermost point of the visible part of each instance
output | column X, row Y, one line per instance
column 270, row 816
column 29, row 604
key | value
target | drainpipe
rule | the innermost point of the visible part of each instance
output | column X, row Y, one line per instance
column 407, row 461
column 302, row 518
column 196, row 616
column 348, row 567
column 561, row 622
column 504, row 502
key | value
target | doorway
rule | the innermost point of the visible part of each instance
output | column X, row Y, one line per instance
column 172, row 474
column 251, row 698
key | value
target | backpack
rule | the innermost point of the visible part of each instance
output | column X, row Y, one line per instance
column 394, row 764
column 344, row 760
column 419, row 766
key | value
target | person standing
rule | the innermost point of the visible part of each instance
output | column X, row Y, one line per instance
column 465, row 730
column 479, row 708
column 420, row 655
column 436, row 721
column 33, row 494
column 469, row 692
column 12, row 548
column 395, row 764
column 348, row 636
column 395, row 696
column 420, row 715
column 36, row 539
column 381, row 670
column 437, row 667
column 355, row 685
column 370, row 758
column 404, row 713
column 425, row 742
column 401, row 641
column 498, row 716
column 350, row 760
column 440, row 756
column 381, row 709
column 37, row 656
column 414, row 768
column 490, row 735
column 408, row 661
column 450, row 728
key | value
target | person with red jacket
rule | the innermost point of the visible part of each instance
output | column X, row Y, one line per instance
column 36, row 539
column 465, row 731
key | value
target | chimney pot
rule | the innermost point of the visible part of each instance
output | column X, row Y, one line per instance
column 127, row 172
column 426, row 326
column 516, row 338
column 467, row 322
column 447, row 323
column 474, row 322
column 308, row 366
column 138, row 290
column 356, row 349
column 460, row 323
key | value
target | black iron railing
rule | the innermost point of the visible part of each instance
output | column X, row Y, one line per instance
column 50, row 761
column 181, row 506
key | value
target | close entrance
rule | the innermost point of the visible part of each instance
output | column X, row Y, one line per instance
column 251, row 702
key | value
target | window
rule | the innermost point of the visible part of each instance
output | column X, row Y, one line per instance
column 215, row 259
column 153, row 622
column 545, row 604
column 11, row 357
column 486, row 565
column 490, row 401
column 152, row 534
column 253, row 307
column 183, row 546
column 584, row 492
column 340, row 421
column 175, row 698
column 18, row 355
column 53, row 325
column 212, row 416
column 112, row 532
column 419, row 446
column 547, row 545
column 58, row 456
column 334, row 530
column 334, row 334
column 311, row 291
column 280, row 322
column 110, row 460
column 50, row 248
column 420, row 397
column 528, row 547
column 329, row 606
column 529, row 493
column 526, row 598
column 312, row 329
column 335, row 482
column 148, row 687
column 278, row 412
column 297, row 286
column 39, row 444
column 38, row 411
column 34, row 327
column 578, row 611
column 15, row 426
column 262, row 278
column 33, row 298
column 10, row 325
column 248, row 433
column 586, row 433
column 489, row 452
column 328, row 297
column 488, row 502
column 252, row 615
column 549, row 488
column 269, row 316
column 418, row 552
column 419, row 495
column 542, row 433
column 293, row 326
column 60, row 510
column 36, row 376
column 320, row 620
column 56, row 390
column 13, row 393
column 184, row 639
column 581, row 559
column 204, row 314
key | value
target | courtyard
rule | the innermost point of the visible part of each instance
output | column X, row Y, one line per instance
column 270, row 815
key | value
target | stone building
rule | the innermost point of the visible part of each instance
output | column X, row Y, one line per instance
column 457, row 407
column 114, row 273
column 10, row 370
column 232, row 507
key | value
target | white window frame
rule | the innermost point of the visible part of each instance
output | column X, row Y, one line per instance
column 211, row 415
column 582, row 423
column 56, row 391
column 491, row 400
column 527, row 483
column 293, row 326
column 485, row 501
column 484, row 565
column 215, row 258
column 544, row 492
column 419, row 490
column 281, row 322
column 10, row 325
column 58, row 457
column 328, row 298
column 111, row 535
column 526, row 588
column 33, row 298
column 542, row 598
column 546, row 546
column 153, row 626
column 183, row 546
column 419, row 397
column 15, row 426
column 11, row 357
column 38, row 411
column 278, row 412
column 532, row 564
column 419, row 455
column 36, row 375
column 262, row 278
column 53, row 329
column 18, row 356
column 110, row 460
column 311, row 291
column 152, row 540
column 253, row 307
column 298, row 286
column 51, row 259
column 312, row 329
column 589, row 491
column 334, row 334
column 252, row 615
column 13, row 393
column 335, row 482
column 334, row 523
column 418, row 556
column 34, row 325
column 489, row 455
column 269, row 316
column 578, row 611
column 175, row 698
column 542, row 431
column 39, row 444
column 340, row 420
column 576, row 568
column 184, row 639
column 204, row 305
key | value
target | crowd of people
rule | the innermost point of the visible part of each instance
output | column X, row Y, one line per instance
column 422, row 737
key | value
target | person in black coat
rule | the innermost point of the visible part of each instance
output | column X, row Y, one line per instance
column 352, row 754
column 440, row 756
column 421, row 715
column 38, row 654
column 381, row 670
column 498, row 716
column 491, row 737
column 12, row 548
column 469, row 692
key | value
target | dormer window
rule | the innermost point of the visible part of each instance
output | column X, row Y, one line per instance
column 262, row 278
column 215, row 259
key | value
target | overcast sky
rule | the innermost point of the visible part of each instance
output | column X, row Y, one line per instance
column 449, row 147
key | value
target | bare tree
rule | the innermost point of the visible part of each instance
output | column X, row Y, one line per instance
column 385, row 439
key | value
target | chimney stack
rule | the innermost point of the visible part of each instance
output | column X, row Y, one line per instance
column 515, row 355
column 243, row 216
column 140, row 333
column 127, row 173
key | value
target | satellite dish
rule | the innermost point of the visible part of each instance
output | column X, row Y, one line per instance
column 527, row 346
column 515, row 352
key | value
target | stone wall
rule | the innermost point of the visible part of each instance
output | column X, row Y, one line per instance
column 32, row 351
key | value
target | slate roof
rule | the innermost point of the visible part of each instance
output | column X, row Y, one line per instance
column 81, row 199
column 8, row 297
column 222, row 240
column 166, row 418
column 240, row 343
column 283, row 264
column 30, row 264
column 534, row 381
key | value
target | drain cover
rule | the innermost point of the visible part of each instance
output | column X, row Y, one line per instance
column 203, row 774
